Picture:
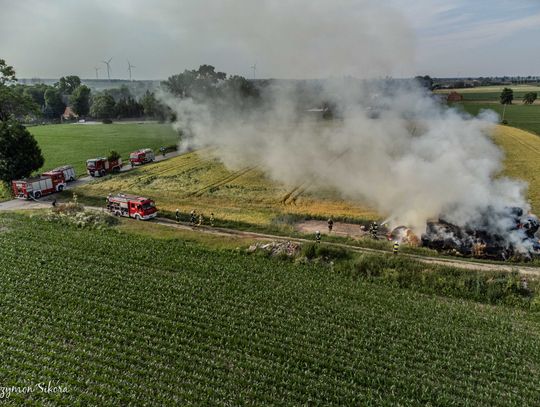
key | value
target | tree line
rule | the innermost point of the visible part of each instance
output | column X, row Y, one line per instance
column 49, row 102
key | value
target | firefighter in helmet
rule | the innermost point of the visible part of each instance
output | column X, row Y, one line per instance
column 177, row 215
column 330, row 224
column 374, row 230
column 395, row 247
column 192, row 217
column 318, row 236
column 201, row 219
column 212, row 219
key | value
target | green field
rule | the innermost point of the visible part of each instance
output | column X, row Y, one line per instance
column 171, row 322
column 490, row 93
column 526, row 117
column 75, row 143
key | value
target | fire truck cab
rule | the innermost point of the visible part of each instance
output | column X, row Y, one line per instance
column 67, row 172
column 131, row 206
column 143, row 156
column 35, row 188
column 98, row 167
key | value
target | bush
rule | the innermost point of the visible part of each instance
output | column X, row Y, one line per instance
column 106, row 121
column 309, row 251
column 73, row 213
column 113, row 155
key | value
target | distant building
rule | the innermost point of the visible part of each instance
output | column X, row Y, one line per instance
column 69, row 114
column 454, row 97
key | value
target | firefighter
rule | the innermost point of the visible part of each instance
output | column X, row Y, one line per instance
column 177, row 215
column 318, row 236
column 54, row 202
column 212, row 219
column 162, row 150
column 374, row 230
column 192, row 217
column 395, row 247
column 201, row 219
column 330, row 225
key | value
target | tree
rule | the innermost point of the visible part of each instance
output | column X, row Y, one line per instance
column 68, row 84
column 154, row 108
column 13, row 102
column 149, row 104
column 425, row 81
column 200, row 84
column 128, row 107
column 529, row 98
column 20, row 154
column 102, row 106
column 507, row 95
column 54, row 106
column 36, row 93
column 80, row 100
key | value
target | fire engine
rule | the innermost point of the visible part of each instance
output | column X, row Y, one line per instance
column 66, row 170
column 98, row 167
column 146, row 155
column 131, row 206
column 39, row 186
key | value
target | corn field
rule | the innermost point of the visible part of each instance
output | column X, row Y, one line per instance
column 127, row 320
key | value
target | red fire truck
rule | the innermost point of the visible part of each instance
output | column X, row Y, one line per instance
column 39, row 186
column 131, row 206
column 146, row 155
column 98, row 167
column 67, row 171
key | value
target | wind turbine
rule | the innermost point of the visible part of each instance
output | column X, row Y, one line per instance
column 129, row 69
column 108, row 63
column 97, row 69
column 254, row 68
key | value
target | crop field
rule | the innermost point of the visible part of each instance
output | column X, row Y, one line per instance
column 522, row 160
column 196, row 180
column 74, row 143
column 169, row 322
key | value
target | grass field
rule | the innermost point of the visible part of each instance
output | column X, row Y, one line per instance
column 196, row 180
column 74, row 143
column 526, row 117
column 168, row 322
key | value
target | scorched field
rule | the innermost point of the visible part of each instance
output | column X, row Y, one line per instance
column 129, row 320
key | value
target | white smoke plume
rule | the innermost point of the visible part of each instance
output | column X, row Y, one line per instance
column 391, row 144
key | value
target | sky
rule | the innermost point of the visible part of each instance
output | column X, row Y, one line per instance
column 283, row 39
